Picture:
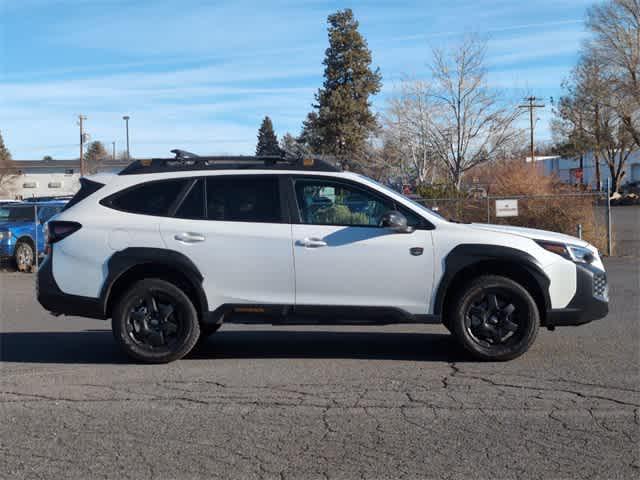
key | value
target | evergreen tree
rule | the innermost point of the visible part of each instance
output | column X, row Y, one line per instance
column 95, row 154
column 343, row 119
column 5, row 154
column 267, row 139
column 6, row 163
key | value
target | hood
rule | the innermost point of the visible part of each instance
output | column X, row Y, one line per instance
column 531, row 233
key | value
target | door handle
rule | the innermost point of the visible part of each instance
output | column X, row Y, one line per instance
column 312, row 243
column 189, row 237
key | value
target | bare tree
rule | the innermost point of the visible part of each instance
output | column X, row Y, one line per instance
column 410, row 131
column 615, row 25
column 471, row 123
column 601, row 108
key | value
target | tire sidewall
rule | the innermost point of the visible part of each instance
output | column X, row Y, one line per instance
column 181, row 301
column 499, row 352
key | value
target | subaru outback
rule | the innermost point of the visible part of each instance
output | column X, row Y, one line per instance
column 171, row 249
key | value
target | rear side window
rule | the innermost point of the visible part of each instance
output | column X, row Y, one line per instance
column 192, row 206
column 243, row 199
column 153, row 198
column 87, row 187
column 17, row 214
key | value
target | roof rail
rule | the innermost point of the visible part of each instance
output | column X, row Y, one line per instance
column 186, row 161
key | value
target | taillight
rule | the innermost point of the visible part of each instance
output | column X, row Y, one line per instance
column 56, row 230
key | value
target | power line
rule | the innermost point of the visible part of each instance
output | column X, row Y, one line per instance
column 531, row 105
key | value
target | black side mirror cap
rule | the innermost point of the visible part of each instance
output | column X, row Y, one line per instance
column 396, row 221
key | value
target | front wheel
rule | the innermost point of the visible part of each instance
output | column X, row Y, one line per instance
column 24, row 256
column 494, row 318
column 155, row 322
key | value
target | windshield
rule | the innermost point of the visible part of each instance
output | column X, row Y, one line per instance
column 411, row 201
column 16, row 214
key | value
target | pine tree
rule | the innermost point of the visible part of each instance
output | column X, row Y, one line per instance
column 5, row 154
column 343, row 119
column 96, row 153
column 6, row 163
column 267, row 139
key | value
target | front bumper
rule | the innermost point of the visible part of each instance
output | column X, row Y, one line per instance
column 57, row 302
column 590, row 302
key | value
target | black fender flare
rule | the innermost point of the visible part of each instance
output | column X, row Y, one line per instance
column 123, row 261
column 466, row 255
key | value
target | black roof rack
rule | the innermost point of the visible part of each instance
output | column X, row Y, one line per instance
column 186, row 161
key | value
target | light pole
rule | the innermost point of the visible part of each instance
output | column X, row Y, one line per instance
column 83, row 138
column 126, row 121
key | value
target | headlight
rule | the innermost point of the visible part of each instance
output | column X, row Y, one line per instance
column 570, row 252
column 580, row 254
column 5, row 235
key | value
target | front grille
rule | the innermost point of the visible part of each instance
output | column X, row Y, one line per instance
column 600, row 288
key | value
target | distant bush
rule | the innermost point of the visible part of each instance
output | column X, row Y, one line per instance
column 339, row 215
column 513, row 179
column 556, row 213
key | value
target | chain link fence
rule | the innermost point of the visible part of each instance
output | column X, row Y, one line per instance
column 585, row 215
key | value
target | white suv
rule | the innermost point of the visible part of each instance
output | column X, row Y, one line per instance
column 172, row 248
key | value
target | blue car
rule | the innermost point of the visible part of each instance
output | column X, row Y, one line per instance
column 19, row 231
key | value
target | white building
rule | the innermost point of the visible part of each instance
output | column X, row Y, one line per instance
column 568, row 169
column 45, row 178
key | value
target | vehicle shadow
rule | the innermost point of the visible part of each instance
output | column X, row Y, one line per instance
column 98, row 347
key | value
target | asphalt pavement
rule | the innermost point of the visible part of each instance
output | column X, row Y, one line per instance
column 318, row 402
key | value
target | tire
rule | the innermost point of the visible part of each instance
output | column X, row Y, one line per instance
column 155, row 322
column 24, row 256
column 494, row 318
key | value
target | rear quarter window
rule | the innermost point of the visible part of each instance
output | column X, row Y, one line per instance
column 152, row 198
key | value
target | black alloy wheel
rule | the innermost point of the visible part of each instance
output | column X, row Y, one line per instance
column 494, row 318
column 155, row 322
column 491, row 317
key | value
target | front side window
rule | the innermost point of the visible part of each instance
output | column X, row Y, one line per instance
column 327, row 202
column 154, row 198
column 243, row 199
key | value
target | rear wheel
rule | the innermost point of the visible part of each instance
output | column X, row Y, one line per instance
column 494, row 318
column 155, row 322
column 24, row 256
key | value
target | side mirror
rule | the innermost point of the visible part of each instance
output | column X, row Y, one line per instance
column 395, row 221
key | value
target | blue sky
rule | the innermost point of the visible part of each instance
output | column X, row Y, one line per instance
column 200, row 75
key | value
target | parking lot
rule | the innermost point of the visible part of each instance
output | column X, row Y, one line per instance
column 320, row 402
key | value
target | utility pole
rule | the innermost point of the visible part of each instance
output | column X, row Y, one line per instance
column 81, row 119
column 113, row 155
column 531, row 105
column 126, row 121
